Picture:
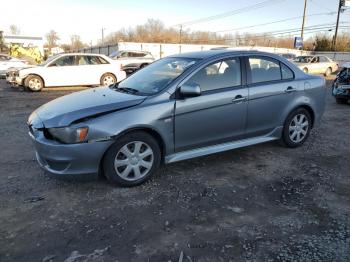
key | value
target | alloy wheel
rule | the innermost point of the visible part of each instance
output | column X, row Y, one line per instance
column 34, row 84
column 298, row 128
column 108, row 80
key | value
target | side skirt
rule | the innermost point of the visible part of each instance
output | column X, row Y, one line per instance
column 203, row 151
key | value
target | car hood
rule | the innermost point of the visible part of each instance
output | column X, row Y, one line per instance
column 91, row 102
column 18, row 68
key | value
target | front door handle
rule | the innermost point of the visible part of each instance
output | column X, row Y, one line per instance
column 238, row 99
column 290, row 89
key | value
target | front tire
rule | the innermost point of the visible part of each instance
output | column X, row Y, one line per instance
column 108, row 79
column 296, row 128
column 132, row 159
column 34, row 83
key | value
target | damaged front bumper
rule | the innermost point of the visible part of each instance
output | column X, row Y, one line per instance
column 340, row 90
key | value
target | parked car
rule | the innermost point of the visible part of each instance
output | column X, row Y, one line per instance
column 132, row 60
column 7, row 62
column 177, row 108
column 316, row 64
column 341, row 85
column 69, row 70
column 288, row 56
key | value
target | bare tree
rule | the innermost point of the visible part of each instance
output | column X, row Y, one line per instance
column 52, row 38
column 14, row 30
column 76, row 42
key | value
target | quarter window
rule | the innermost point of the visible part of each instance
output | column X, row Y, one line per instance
column 286, row 72
column 226, row 73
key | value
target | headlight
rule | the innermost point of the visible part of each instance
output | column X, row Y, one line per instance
column 69, row 135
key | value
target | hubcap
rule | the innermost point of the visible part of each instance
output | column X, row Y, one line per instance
column 298, row 128
column 108, row 80
column 34, row 84
column 134, row 160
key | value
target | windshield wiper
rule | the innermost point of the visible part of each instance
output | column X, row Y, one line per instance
column 128, row 90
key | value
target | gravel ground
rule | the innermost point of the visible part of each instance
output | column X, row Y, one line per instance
column 261, row 203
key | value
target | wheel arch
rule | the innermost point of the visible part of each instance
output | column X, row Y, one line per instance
column 34, row 74
column 155, row 134
column 307, row 108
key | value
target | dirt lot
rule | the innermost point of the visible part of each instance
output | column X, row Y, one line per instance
column 262, row 203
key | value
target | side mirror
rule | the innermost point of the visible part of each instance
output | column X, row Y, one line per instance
column 190, row 90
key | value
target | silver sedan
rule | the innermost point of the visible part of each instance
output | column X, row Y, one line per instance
column 180, row 107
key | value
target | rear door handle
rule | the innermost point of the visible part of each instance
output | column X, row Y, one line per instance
column 290, row 89
column 238, row 99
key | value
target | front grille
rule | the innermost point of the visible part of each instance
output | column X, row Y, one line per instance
column 47, row 134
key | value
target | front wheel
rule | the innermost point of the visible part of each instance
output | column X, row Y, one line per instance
column 296, row 128
column 108, row 79
column 132, row 159
column 34, row 83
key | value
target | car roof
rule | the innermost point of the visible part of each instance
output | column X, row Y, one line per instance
column 91, row 54
column 138, row 51
column 212, row 53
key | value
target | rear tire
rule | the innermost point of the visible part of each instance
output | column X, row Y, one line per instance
column 108, row 79
column 296, row 128
column 328, row 71
column 341, row 100
column 132, row 159
column 34, row 83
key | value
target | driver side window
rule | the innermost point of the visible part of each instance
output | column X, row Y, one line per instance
column 222, row 74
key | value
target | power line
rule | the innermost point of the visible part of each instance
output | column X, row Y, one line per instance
column 273, row 22
column 230, row 13
column 309, row 29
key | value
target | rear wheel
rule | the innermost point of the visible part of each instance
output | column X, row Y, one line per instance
column 296, row 128
column 132, row 160
column 108, row 79
column 328, row 71
column 341, row 100
column 34, row 83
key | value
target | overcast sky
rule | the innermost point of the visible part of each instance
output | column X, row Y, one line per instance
column 87, row 17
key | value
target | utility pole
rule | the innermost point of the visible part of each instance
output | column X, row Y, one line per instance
column 302, row 25
column 180, row 40
column 337, row 25
column 103, row 38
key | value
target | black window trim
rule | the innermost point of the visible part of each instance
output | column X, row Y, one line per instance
column 249, row 73
column 222, row 89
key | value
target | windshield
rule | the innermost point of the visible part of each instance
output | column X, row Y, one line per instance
column 114, row 54
column 48, row 60
column 303, row 59
column 155, row 77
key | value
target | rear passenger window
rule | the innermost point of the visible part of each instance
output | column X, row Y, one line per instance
column 264, row 70
column 286, row 72
column 226, row 73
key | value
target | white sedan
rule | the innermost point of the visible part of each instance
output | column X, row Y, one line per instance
column 70, row 70
column 7, row 62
